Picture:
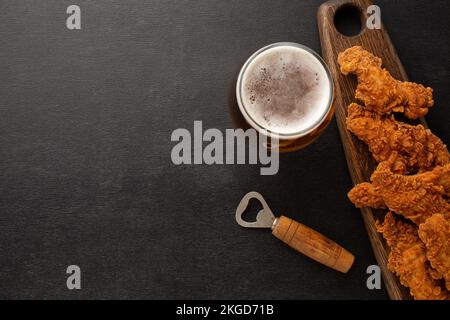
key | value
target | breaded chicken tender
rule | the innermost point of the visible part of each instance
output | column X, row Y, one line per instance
column 418, row 149
column 416, row 197
column 407, row 259
column 379, row 91
column 435, row 233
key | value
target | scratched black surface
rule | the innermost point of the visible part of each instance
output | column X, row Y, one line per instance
column 86, row 174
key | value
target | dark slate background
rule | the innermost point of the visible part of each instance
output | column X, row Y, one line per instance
column 86, row 175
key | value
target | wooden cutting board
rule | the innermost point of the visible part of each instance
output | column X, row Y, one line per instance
column 359, row 159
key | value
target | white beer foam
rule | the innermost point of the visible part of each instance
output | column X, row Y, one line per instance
column 286, row 89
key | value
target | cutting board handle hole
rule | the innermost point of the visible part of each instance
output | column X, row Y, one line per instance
column 348, row 20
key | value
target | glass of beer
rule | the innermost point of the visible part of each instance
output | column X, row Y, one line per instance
column 285, row 91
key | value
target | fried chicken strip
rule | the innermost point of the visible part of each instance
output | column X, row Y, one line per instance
column 435, row 233
column 416, row 197
column 407, row 259
column 379, row 91
column 366, row 195
column 418, row 148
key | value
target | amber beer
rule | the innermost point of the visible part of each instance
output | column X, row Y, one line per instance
column 285, row 91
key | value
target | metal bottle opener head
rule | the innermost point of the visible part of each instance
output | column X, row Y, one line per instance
column 264, row 219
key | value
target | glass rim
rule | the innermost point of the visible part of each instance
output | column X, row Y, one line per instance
column 265, row 130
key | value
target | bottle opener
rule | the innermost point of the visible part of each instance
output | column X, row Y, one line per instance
column 298, row 236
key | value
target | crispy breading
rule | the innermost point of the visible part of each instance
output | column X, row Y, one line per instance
column 419, row 249
column 366, row 195
column 379, row 91
column 417, row 147
column 407, row 259
column 416, row 197
column 435, row 233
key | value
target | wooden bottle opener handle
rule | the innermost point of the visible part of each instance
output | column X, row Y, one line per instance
column 312, row 244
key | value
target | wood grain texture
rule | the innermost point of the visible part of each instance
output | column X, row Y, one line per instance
column 359, row 159
column 313, row 244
